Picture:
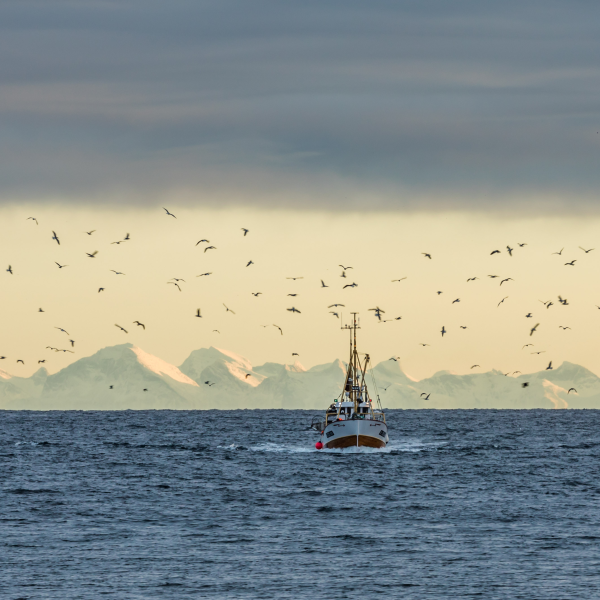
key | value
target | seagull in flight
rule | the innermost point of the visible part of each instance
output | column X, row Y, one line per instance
column 571, row 264
column 21, row 361
column 528, row 316
column 561, row 327
column 41, row 310
column 33, row 218
column 540, row 352
column 209, row 383
column 117, row 272
column 9, row 270
column 89, row 232
column 93, row 254
column 209, row 248
column 249, row 263
column 245, row 231
column 559, row 253
column 507, row 279
column 228, row 309
column 199, row 242
column 280, row 330
column 426, row 396
column 509, row 250
column 175, row 284
column 421, row 344
column 495, row 252
column 121, row 328
column 501, row 301
column 63, row 330
column 394, row 280
column 457, row 300
column 426, row 255
column 139, row 324
column 521, row 245
column 475, row 366
column 100, row 290
column 294, row 278
column 586, row 251
column 343, row 267
column 443, row 331
column 525, row 346
column 334, row 314
column 295, row 354
column 572, row 390
column 533, row 329
column 323, row 284
column 525, row 384
column 256, row 294
column 168, row 213
column 549, row 367
column 472, row 279
column 493, row 276
column 204, row 274
column 60, row 266
column 293, row 309
column 55, row 237
column 336, row 305
column 352, row 285
column 198, row 313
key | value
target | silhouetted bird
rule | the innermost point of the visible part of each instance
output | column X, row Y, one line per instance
column 55, row 237
column 170, row 214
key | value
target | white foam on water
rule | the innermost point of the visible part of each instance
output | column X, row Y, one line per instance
column 406, row 446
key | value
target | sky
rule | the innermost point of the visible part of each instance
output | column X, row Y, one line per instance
column 336, row 132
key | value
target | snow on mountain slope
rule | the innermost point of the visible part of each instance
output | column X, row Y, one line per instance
column 138, row 380
column 142, row 381
column 17, row 388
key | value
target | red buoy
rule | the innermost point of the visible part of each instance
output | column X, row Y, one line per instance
column 318, row 445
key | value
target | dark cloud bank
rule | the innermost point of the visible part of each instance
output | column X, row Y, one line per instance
column 457, row 105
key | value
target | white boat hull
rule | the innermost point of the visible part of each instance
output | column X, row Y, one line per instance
column 355, row 432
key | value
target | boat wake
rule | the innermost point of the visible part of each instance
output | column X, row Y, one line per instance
column 392, row 448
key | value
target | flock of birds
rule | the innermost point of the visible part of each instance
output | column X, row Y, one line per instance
column 379, row 313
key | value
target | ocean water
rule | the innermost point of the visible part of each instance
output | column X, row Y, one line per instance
column 239, row 505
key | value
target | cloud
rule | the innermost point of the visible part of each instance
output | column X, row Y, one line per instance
column 402, row 105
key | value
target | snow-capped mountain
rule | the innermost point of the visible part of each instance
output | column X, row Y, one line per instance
column 127, row 377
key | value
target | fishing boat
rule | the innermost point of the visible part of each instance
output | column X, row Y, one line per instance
column 351, row 419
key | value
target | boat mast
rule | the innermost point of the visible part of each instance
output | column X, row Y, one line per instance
column 353, row 364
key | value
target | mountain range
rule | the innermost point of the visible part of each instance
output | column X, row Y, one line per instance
column 125, row 377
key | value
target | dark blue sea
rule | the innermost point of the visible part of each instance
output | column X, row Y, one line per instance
column 239, row 505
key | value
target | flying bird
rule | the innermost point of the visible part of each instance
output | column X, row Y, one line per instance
column 336, row 305
column 295, row 354
column 421, row 344
column 323, row 284
column 293, row 295
column 41, row 361
column 549, row 367
column 509, row 250
column 426, row 396
column 351, row 285
column 343, row 267
column 294, row 278
column 175, row 284
column 248, row 375
column 9, row 270
column 507, row 279
column 117, row 272
column 249, row 263
column 63, row 330
column 100, row 290
column 426, row 255
column 72, row 343
column 495, row 252
column 208, row 383
column 126, row 238
column 245, row 231
column 525, row 384
column 463, row 327
column 528, row 316
column 454, row 301
column 121, row 328
column 60, row 266
column 204, row 274
column 21, row 361
column 572, row 390
column 559, row 253
column 525, row 346
column 55, row 237
column 475, row 366
column 293, row 309
column 394, row 280
column 334, row 314
column 139, row 324
column 93, row 254
column 89, row 232
column 443, row 331
column 168, row 213
column 472, row 279
column 562, row 327
column 33, row 218
column 228, row 309
column 501, row 301
column 533, row 329
column 586, row 251
column 540, row 352
column 280, row 330
column 256, row 294
column 209, row 248
column 201, row 241
column 41, row 310
column 198, row 313
column 493, row 276
column 571, row 264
